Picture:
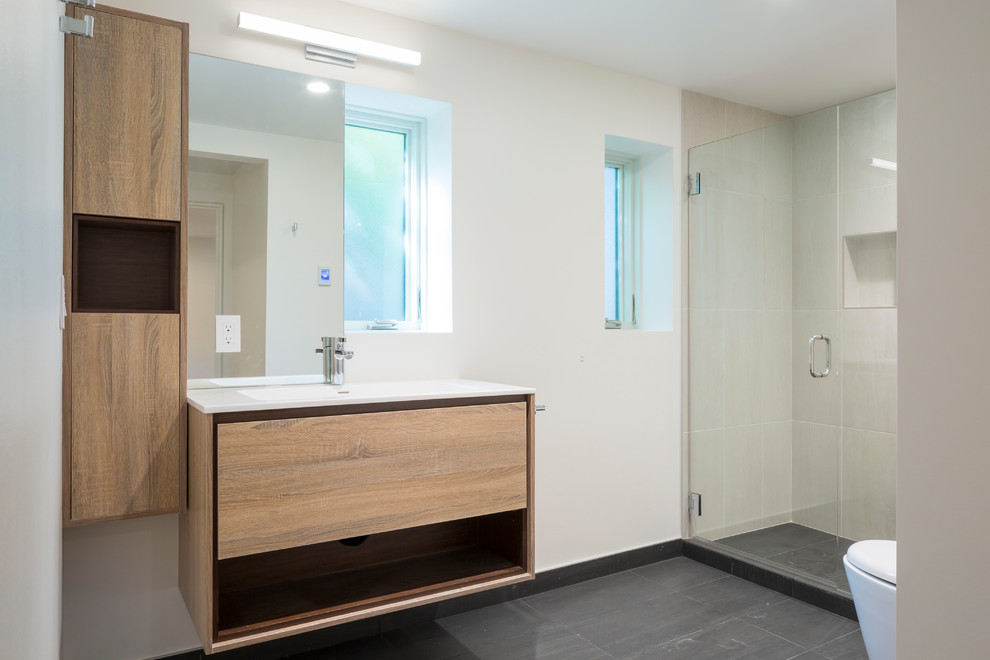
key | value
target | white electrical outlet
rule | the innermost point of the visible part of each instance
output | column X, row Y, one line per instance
column 228, row 334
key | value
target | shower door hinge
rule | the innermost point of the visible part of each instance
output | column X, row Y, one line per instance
column 694, row 184
column 694, row 503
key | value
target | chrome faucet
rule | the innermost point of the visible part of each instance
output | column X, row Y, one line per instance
column 334, row 355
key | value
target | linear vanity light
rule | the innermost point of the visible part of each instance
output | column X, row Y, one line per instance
column 341, row 43
column 884, row 164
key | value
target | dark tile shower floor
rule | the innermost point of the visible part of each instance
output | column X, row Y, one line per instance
column 798, row 547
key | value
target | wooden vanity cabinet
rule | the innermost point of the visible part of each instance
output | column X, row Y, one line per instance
column 304, row 518
column 123, row 384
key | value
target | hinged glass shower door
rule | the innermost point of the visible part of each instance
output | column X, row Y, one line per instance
column 792, row 338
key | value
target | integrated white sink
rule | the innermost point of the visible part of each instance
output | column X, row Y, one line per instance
column 268, row 397
column 386, row 389
column 292, row 392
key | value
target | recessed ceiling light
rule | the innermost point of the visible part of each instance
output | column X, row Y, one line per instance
column 318, row 87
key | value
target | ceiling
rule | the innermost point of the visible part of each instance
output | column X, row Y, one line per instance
column 788, row 56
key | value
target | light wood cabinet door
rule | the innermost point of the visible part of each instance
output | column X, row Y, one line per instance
column 127, row 114
column 123, row 388
column 126, row 415
column 287, row 483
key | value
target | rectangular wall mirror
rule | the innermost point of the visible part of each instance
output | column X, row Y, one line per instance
column 266, row 225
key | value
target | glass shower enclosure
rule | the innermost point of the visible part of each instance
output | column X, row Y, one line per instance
column 792, row 342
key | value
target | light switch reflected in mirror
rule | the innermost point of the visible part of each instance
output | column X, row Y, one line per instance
column 265, row 216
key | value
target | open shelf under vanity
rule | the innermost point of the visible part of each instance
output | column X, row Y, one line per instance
column 338, row 580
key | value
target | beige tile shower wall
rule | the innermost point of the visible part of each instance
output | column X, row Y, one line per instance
column 868, row 225
column 816, row 468
column 844, row 286
column 869, row 480
column 737, row 428
column 817, row 402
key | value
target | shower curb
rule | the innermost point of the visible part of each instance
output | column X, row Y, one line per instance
column 747, row 568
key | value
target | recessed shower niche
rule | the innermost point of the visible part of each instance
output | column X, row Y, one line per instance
column 869, row 270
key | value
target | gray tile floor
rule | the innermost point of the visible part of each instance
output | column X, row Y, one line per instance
column 673, row 609
column 803, row 548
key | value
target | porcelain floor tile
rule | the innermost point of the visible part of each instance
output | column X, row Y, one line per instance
column 734, row 596
column 673, row 609
column 802, row 624
column 730, row 640
column 848, row 647
column 629, row 629
column 679, row 573
column 587, row 600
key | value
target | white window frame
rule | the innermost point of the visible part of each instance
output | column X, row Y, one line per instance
column 627, row 209
column 414, row 129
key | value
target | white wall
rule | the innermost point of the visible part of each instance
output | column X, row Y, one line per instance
column 943, row 288
column 104, row 562
column 30, row 343
column 528, row 133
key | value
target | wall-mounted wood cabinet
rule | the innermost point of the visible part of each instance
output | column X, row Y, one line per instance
column 125, row 392
column 126, row 111
column 304, row 518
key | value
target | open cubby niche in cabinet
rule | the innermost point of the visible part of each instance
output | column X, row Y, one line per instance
column 349, row 578
column 125, row 265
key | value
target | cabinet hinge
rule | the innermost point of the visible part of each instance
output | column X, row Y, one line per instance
column 79, row 26
column 82, row 27
column 63, row 309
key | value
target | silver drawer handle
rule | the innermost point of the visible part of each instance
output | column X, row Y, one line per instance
column 811, row 356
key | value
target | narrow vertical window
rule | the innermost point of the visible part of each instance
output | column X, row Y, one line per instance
column 620, row 242
column 639, row 203
column 612, row 276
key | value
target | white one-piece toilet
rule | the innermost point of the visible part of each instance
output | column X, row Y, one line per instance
column 871, row 567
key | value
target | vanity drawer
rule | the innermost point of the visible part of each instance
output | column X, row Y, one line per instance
column 292, row 482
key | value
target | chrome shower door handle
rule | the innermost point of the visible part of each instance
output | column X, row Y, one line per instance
column 811, row 356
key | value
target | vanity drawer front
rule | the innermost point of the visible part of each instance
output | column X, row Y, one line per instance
column 285, row 483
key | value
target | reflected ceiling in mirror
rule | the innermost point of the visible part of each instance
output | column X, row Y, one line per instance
column 265, row 218
column 257, row 98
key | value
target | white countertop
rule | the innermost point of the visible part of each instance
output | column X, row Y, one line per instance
column 273, row 397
